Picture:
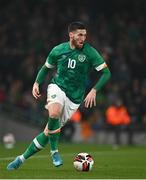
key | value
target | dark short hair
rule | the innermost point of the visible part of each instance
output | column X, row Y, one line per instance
column 76, row 25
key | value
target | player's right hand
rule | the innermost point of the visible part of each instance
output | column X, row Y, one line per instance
column 35, row 90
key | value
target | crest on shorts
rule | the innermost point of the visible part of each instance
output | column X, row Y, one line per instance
column 53, row 96
column 81, row 57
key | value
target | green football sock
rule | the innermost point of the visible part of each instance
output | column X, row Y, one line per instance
column 53, row 139
column 37, row 144
column 53, row 124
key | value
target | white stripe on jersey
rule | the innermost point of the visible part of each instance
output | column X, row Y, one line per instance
column 101, row 66
column 48, row 65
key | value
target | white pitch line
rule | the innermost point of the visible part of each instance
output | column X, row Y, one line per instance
column 11, row 158
column 45, row 156
column 34, row 157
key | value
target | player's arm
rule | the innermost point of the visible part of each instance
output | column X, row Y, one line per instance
column 90, row 99
column 106, row 74
column 99, row 64
column 39, row 80
column 42, row 74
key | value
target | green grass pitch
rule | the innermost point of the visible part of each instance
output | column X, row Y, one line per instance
column 126, row 162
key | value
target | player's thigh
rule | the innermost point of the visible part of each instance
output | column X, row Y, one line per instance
column 68, row 110
column 55, row 100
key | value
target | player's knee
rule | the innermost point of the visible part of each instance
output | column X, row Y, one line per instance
column 54, row 114
column 46, row 131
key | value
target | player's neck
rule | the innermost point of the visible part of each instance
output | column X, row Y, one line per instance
column 71, row 45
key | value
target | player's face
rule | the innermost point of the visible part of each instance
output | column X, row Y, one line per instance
column 77, row 38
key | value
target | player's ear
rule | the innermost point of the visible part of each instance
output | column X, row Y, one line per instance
column 71, row 34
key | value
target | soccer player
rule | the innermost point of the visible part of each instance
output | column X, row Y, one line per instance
column 73, row 61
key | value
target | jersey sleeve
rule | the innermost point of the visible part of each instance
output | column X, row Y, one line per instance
column 51, row 60
column 96, row 59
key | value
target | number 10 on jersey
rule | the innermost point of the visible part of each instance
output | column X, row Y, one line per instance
column 71, row 63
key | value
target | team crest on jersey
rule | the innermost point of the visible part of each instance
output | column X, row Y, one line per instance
column 81, row 57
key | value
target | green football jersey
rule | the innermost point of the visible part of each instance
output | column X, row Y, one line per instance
column 73, row 67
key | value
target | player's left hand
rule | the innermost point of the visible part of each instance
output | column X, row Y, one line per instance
column 90, row 99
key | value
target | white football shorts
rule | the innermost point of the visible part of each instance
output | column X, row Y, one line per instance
column 56, row 95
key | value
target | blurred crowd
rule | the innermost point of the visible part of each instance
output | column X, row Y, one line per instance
column 29, row 29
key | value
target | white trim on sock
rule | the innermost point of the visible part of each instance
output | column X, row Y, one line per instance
column 37, row 144
column 22, row 158
column 54, row 151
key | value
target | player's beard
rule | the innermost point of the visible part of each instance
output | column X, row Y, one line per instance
column 76, row 44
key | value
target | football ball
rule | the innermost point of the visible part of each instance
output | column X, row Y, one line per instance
column 83, row 162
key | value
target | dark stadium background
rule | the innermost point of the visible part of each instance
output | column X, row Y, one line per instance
column 29, row 29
